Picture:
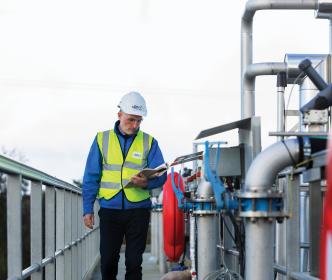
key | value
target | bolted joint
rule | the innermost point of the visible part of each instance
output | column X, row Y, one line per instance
column 268, row 207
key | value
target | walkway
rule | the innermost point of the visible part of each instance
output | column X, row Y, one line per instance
column 150, row 270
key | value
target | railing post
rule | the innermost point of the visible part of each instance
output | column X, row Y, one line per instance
column 36, row 226
column 68, row 227
column 50, row 230
column 96, row 233
column 14, row 226
column 84, row 251
column 80, row 233
column 60, row 233
column 74, row 223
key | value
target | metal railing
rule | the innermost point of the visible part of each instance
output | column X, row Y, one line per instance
column 60, row 246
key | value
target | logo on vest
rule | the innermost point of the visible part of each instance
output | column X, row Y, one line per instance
column 137, row 155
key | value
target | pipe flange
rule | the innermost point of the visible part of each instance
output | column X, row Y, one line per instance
column 204, row 207
column 261, row 207
column 263, row 214
column 205, row 212
column 254, row 194
column 157, row 208
column 203, row 199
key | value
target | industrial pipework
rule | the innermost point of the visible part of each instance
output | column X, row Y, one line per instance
column 260, row 202
column 247, row 93
column 207, row 232
column 261, row 205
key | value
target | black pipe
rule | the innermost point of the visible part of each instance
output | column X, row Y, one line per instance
column 281, row 79
column 324, row 98
column 313, row 75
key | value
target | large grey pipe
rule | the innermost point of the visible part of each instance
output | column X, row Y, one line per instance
column 260, row 178
column 264, row 169
column 160, row 232
column 207, row 235
column 192, row 250
column 249, row 78
column 247, row 98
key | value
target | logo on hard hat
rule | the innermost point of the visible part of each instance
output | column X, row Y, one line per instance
column 136, row 107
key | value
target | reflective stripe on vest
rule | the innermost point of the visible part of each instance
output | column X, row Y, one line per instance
column 117, row 172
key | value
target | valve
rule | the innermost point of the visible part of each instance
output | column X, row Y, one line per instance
column 222, row 196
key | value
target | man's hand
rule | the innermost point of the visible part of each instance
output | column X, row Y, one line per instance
column 89, row 220
column 139, row 181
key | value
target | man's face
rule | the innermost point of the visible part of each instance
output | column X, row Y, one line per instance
column 129, row 124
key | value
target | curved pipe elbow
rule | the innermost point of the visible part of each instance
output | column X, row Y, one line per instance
column 265, row 68
column 265, row 167
column 255, row 5
column 261, row 69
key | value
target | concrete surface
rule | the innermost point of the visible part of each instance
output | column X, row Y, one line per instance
column 150, row 269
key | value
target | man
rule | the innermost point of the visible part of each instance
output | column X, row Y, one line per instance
column 115, row 157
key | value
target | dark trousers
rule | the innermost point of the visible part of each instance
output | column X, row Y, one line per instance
column 114, row 225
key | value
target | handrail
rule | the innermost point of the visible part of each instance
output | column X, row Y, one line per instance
column 10, row 166
column 36, row 267
column 55, row 226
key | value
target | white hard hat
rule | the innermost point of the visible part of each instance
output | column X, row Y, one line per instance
column 133, row 103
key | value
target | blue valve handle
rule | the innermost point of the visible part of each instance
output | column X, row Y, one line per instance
column 217, row 184
column 178, row 193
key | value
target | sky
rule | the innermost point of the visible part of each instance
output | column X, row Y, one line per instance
column 65, row 64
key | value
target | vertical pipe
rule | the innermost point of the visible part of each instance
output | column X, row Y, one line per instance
column 259, row 250
column 152, row 232
column 154, row 237
column 280, row 112
column 304, row 229
column 248, row 96
column 207, row 240
column 195, row 150
column 279, row 228
column 36, row 227
column 330, row 36
column 280, row 256
column 229, row 259
column 315, row 206
column 281, row 84
column 14, row 226
column 192, row 250
column 293, row 225
column 161, row 257
column 50, row 230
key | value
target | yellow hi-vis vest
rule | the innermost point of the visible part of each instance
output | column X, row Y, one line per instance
column 118, row 171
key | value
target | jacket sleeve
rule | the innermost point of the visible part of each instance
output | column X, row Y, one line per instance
column 155, row 158
column 91, row 178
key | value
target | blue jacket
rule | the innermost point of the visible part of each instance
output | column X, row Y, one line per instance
column 93, row 170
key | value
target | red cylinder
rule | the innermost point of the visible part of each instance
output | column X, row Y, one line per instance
column 173, row 221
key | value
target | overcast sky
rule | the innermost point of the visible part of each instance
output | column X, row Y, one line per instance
column 65, row 64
